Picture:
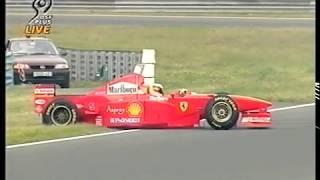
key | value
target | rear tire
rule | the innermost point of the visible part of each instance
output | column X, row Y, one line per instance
column 60, row 113
column 222, row 112
column 45, row 121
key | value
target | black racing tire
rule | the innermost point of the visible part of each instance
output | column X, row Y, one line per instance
column 45, row 121
column 221, row 112
column 60, row 113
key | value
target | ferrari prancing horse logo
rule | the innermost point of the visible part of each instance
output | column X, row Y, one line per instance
column 183, row 106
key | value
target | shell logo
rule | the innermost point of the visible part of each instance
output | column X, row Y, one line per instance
column 134, row 109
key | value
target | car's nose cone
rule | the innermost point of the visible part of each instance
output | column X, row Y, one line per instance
column 246, row 103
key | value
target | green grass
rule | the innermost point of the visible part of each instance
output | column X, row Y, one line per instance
column 275, row 64
column 22, row 125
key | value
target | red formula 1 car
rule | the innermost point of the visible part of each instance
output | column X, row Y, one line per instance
column 123, row 103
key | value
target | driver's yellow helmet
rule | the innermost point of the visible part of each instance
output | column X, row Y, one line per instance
column 157, row 88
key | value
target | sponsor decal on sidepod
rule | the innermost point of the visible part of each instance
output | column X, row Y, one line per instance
column 115, row 110
column 125, row 120
column 134, row 110
column 40, row 101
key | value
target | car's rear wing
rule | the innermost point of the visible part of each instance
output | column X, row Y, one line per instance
column 44, row 90
column 42, row 94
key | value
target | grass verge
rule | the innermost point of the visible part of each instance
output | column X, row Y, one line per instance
column 23, row 126
column 276, row 64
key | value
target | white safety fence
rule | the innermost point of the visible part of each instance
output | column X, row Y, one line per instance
column 172, row 6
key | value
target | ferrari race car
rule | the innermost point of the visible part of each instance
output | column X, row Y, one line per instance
column 124, row 103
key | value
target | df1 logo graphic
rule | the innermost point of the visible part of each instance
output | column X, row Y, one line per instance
column 317, row 90
column 41, row 22
column 317, row 95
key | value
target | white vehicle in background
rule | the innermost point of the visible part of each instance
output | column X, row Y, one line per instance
column 37, row 60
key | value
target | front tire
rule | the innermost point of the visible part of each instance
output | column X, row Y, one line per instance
column 60, row 113
column 222, row 112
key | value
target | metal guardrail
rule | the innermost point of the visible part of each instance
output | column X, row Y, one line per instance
column 174, row 5
column 86, row 64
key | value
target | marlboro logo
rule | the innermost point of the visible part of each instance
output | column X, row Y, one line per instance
column 122, row 88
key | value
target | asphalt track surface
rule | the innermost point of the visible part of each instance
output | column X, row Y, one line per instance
column 286, row 152
column 170, row 21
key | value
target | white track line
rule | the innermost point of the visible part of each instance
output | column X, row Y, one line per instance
column 124, row 131
column 70, row 138
column 166, row 16
column 292, row 107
